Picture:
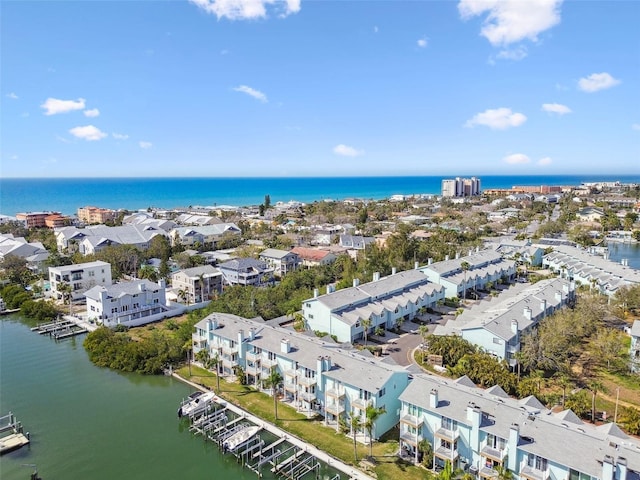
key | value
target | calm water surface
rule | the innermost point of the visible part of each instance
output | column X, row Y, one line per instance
column 92, row 423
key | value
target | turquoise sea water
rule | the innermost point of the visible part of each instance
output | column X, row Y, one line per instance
column 67, row 194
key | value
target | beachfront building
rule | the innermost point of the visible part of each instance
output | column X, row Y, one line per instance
column 246, row 271
column 592, row 270
column 634, row 349
column 314, row 257
column 35, row 219
column 461, row 187
column 79, row 278
column 282, row 261
column 94, row 238
column 462, row 275
column 319, row 377
column 197, row 284
column 34, row 253
column 95, row 215
column 128, row 303
column 208, row 235
column 382, row 303
column 498, row 327
column 482, row 431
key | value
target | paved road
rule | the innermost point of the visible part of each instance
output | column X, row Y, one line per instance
column 401, row 350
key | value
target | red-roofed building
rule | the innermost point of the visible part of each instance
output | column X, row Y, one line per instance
column 312, row 257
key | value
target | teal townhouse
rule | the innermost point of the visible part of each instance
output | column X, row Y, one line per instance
column 319, row 377
column 483, row 431
column 380, row 304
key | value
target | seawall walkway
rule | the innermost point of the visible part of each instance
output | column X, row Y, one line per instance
column 350, row 470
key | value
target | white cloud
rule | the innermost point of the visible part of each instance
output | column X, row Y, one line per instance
column 516, row 159
column 54, row 106
column 545, row 161
column 257, row 94
column 12, row 96
column 145, row 145
column 94, row 112
column 597, row 81
column 119, row 136
column 347, row 151
column 423, row 42
column 88, row 132
column 636, row 126
column 497, row 119
column 556, row 108
column 516, row 54
column 511, row 21
column 247, row 9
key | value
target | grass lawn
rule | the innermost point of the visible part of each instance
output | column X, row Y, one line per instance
column 388, row 466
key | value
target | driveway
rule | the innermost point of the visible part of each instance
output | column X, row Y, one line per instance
column 400, row 348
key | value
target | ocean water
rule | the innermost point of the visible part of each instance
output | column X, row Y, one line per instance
column 67, row 194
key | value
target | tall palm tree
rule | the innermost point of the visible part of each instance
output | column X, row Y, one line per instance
column 595, row 386
column 423, row 330
column 371, row 415
column 203, row 357
column 503, row 472
column 214, row 364
column 465, row 266
column 356, row 424
column 273, row 381
column 366, row 323
column 201, row 281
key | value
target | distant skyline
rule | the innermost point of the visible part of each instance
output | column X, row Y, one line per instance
column 233, row 88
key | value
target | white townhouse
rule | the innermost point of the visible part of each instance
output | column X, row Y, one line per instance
column 246, row 271
column 521, row 251
column 95, row 238
column 634, row 349
column 33, row 252
column 383, row 302
column 198, row 283
column 484, row 266
column 481, row 430
column 80, row 277
column 282, row 261
column 128, row 303
column 591, row 270
column 203, row 234
column 319, row 377
column 498, row 327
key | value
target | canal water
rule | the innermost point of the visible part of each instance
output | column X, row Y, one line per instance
column 630, row 251
column 92, row 423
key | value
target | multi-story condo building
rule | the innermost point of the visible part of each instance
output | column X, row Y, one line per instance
column 35, row 219
column 128, row 303
column 80, row 277
column 95, row 238
column 461, row 187
column 91, row 215
column 198, row 283
column 282, row 261
column 481, row 430
column 318, row 377
column 246, row 271
column 381, row 303
column 461, row 275
column 204, row 235
column 498, row 327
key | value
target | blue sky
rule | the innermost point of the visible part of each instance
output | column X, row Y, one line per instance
column 319, row 88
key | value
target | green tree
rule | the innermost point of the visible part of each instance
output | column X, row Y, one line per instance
column 371, row 415
column 366, row 324
column 273, row 381
column 630, row 420
column 16, row 270
column 595, row 387
column 214, row 364
column 426, row 449
column 465, row 266
column 355, row 424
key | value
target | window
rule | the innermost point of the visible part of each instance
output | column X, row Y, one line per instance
column 536, row 462
column 382, row 392
column 575, row 475
column 497, row 341
column 310, row 316
column 448, row 423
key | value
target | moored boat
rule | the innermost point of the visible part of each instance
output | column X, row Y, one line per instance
column 196, row 403
column 240, row 438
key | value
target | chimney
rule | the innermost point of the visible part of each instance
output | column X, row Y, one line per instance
column 319, row 366
column 213, row 323
column 512, row 445
column 162, row 283
column 477, row 249
column 429, row 261
column 316, row 292
column 543, row 307
column 514, row 326
column 607, row 468
column 328, row 289
column 476, row 420
column 327, row 363
column 356, row 282
column 527, row 313
column 559, row 296
column 241, row 345
column 433, row 398
column 142, row 287
column 470, row 251
column 285, row 346
column 393, row 270
column 621, row 467
column 252, row 333
column 376, row 276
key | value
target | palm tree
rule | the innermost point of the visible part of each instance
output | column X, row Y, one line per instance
column 562, row 380
column 214, row 363
column 366, row 323
column 65, row 289
column 203, row 357
column 372, row 414
column 273, row 381
column 595, row 386
column 465, row 266
column 201, row 282
column 423, row 330
column 356, row 424
column 503, row 472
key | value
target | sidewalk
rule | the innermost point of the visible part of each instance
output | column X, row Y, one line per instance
column 349, row 470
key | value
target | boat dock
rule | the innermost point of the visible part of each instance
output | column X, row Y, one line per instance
column 266, row 448
column 60, row 329
column 11, row 434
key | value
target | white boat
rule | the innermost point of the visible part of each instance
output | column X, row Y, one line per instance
column 196, row 403
column 239, row 438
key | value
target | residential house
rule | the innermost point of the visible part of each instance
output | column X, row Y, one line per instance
column 80, row 277
column 246, row 271
column 95, row 238
column 590, row 214
column 634, row 349
column 355, row 243
column 33, row 252
column 483, row 431
column 313, row 257
column 382, row 303
column 129, row 303
column 482, row 267
column 203, row 235
column 319, row 377
column 522, row 251
column 199, row 284
column 282, row 261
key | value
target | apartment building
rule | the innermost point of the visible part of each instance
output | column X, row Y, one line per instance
column 199, row 284
column 80, row 277
column 246, row 271
column 461, row 187
column 93, row 215
column 282, row 261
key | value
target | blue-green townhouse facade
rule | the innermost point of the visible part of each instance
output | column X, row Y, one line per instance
column 480, row 430
column 319, row 377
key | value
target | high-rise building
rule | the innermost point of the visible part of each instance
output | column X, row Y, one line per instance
column 461, row 187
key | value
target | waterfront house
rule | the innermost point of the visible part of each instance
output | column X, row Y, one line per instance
column 482, row 431
column 246, row 271
column 282, row 261
column 382, row 303
column 319, row 377
column 79, row 277
column 128, row 303
column 197, row 283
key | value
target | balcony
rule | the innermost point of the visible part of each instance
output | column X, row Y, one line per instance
column 229, row 362
column 411, row 420
column 446, row 453
column 307, row 396
column 268, row 363
column 253, row 356
column 410, row 438
column 253, row 368
column 488, row 472
column 360, row 403
column 531, row 473
column 335, row 409
column 290, row 373
column 227, row 350
column 335, row 393
column 307, row 381
column 446, row 434
column 493, row 453
column 290, row 387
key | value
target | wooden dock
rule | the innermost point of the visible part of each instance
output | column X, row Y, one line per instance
column 11, row 434
column 59, row 329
